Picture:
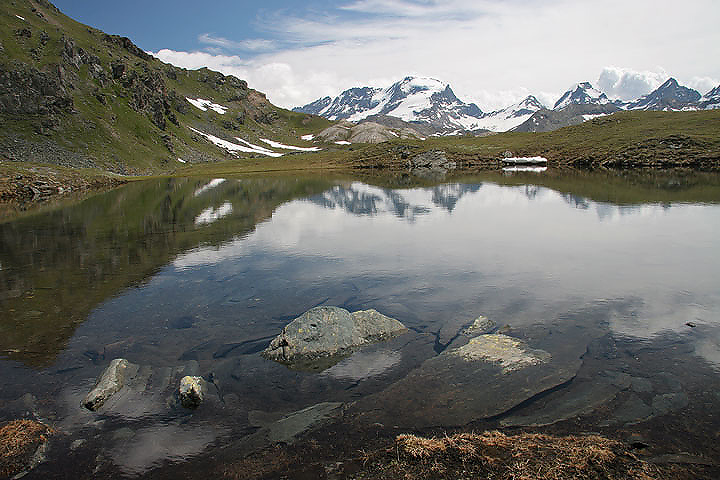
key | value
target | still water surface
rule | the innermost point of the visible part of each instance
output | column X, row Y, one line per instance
column 202, row 273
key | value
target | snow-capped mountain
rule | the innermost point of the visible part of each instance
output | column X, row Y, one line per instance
column 413, row 99
column 668, row 96
column 711, row 100
column 431, row 104
column 579, row 103
column 582, row 94
column 424, row 101
column 510, row 117
column 349, row 103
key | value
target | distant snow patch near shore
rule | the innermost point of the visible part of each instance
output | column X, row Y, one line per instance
column 21, row 18
column 590, row 117
column 203, row 105
column 342, row 142
column 234, row 147
column 521, row 160
column 525, row 168
column 289, row 147
column 307, row 138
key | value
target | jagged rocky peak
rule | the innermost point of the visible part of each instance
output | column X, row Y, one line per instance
column 421, row 100
column 581, row 93
column 529, row 104
column 668, row 96
column 711, row 100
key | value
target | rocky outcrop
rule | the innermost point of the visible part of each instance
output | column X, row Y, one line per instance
column 127, row 44
column 27, row 91
column 430, row 164
column 148, row 94
column 324, row 332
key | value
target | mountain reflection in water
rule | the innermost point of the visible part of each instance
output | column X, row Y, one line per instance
column 206, row 271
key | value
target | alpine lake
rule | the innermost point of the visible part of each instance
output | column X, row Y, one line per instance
column 610, row 282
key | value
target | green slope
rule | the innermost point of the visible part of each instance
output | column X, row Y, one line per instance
column 72, row 95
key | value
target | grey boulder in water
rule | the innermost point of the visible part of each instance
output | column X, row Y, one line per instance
column 324, row 332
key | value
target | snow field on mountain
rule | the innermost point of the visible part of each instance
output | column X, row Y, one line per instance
column 289, row 147
column 234, row 147
column 203, row 105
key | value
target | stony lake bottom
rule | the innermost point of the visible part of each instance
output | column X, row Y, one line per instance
column 615, row 277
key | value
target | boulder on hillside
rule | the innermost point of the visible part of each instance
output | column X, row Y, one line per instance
column 321, row 336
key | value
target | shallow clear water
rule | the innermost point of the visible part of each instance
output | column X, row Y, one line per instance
column 205, row 272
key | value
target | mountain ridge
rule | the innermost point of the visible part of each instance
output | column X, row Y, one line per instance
column 449, row 115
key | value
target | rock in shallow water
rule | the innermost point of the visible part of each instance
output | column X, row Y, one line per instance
column 110, row 382
column 486, row 377
column 191, row 391
column 324, row 332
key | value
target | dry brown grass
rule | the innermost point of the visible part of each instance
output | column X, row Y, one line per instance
column 518, row 457
column 19, row 440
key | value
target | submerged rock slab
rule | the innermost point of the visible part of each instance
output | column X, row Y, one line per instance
column 324, row 333
column 484, row 378
column 507, row 352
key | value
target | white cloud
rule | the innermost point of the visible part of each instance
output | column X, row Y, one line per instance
column 252, row 44
column 493, row 52
column 627, row 84
column 702, row 84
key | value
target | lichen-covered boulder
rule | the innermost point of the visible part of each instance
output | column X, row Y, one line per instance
column 191, row 391
column 329, row 332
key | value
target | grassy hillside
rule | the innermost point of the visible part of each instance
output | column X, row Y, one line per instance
column 72, row 95
column 620, row 141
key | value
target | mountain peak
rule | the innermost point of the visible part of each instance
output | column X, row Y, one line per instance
column 581, row 93
column 668, row 96
column 669, row 83
column 412, row 99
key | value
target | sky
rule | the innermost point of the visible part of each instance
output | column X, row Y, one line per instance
column 491, row 52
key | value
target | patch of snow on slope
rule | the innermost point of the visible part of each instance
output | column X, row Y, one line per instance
column 209, row 186
column 21, row 18
column 258, row 148
column 343, row 142
column 289, row 147
column 234, row 147
column 210, row 214
column 203, row 105
column 307, row 138
column 181, row 160
column 591, row 116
